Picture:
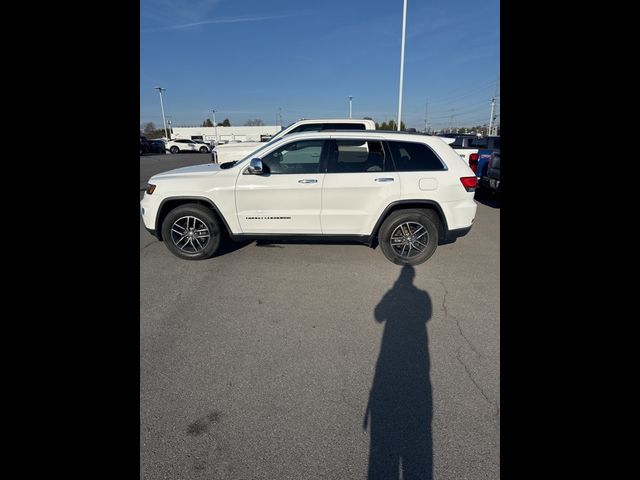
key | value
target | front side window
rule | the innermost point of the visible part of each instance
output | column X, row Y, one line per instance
column 356, row 156
column 414, row 157
column 295, row 157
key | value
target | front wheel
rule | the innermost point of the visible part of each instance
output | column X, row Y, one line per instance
column 191, row 232
column 409, row 237
column 174, row 149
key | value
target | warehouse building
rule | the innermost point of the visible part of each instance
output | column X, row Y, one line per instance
column 230, row 134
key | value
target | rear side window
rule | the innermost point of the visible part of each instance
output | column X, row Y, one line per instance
column 356, row 156
column 480, row 143
column 414, row 157
column 310, row 127
column 344, row 126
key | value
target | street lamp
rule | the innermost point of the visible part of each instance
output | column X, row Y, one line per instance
column 404, row 28
column 164, row 121
column 215, row 125
column 350, row 98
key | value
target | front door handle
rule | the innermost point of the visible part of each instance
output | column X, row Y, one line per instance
column 308, row 180
column 384, row 179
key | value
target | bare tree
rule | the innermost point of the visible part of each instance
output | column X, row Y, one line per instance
column 254, row 123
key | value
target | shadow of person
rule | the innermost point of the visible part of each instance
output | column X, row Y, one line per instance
column 400, row 402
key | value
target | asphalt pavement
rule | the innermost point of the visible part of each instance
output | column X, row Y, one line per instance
column 309, row 361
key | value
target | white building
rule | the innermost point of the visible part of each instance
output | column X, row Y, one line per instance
column 242, row 134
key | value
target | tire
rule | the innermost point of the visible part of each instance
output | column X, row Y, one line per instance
column 174, row 149
column 184, row 218
column 421, row 225
column 204, row 150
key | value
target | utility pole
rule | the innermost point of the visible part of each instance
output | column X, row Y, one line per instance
column 280, row 117
column 215, row 125
column 451, row 121
column 350, row 99
column 493, row 130
column 164, row 121
column 491, row 118
column 404, row 29
column 426, row 113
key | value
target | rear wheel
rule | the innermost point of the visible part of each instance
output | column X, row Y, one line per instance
column 409, row 237
column 191, row 232
column 203, row 150
column 174, row 149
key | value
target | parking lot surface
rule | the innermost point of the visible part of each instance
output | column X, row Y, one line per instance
column 305, row 361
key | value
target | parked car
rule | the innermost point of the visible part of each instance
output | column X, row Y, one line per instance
column 491, row 181
column 405, row 192
column 144, row 145
column 186, row 145
column 156, row 146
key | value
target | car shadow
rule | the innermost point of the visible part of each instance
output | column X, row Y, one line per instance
column 400, row 408
column 488, row 199
column 227, row 246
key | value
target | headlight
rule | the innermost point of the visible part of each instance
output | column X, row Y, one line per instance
column 150, row 188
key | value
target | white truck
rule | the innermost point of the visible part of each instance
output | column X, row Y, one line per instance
column 231, row 152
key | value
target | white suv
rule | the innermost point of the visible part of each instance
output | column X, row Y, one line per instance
column 185, row 145
column 405, row 192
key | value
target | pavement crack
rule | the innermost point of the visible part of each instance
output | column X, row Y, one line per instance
column 496, row 408
column 148, row 245
column 446, row 315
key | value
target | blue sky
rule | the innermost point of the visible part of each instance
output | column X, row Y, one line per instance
column 248, row 58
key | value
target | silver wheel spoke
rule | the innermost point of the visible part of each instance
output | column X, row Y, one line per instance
column 407, row 235
column 190, row 234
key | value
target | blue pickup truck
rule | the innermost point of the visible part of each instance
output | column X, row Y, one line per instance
column 486, row 146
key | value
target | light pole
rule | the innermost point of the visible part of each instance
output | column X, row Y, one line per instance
column 350, row 99
column 164, row 121
column 404, row 28
column 170, row 131
column 215, row 125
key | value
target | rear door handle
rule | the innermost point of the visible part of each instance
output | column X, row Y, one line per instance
column 308, row 180
column 384, row 179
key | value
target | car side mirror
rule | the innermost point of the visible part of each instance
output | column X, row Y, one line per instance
column 255, row 167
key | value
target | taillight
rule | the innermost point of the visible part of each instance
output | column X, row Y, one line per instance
column 473, row 162
column 469, row 183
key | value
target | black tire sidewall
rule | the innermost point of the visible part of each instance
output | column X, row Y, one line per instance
column 204, row 150
column 174, row 149
column 402, row 216
column 201, row 213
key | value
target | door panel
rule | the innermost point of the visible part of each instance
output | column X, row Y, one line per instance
column 287, row 199
column 357, row 187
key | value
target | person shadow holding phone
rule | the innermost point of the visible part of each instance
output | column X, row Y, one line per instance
column 400, row 407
